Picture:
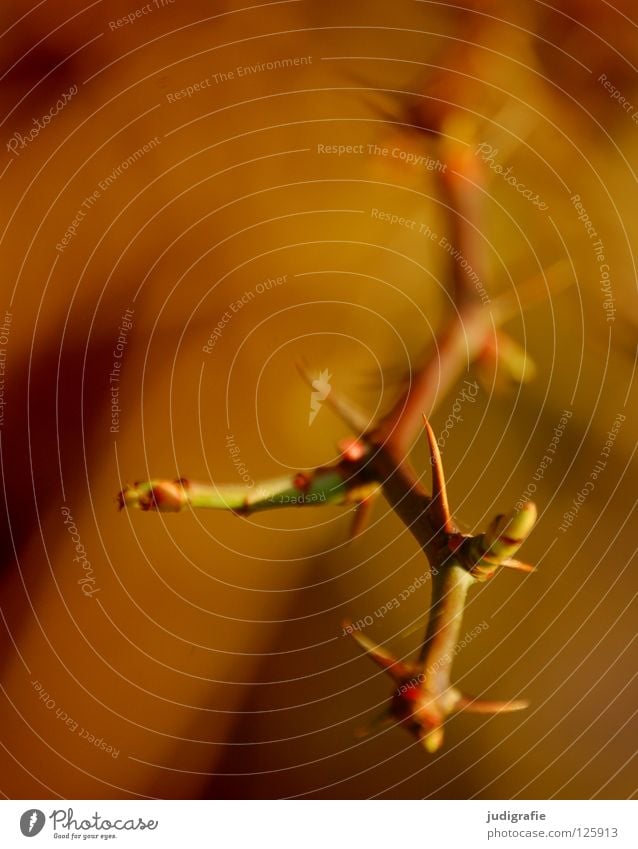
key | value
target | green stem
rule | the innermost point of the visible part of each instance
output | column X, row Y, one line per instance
column 329, row 485
column 449, row 590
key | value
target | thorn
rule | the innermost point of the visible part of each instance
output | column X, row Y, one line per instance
column 439, row 506
column 362, row 512
column 472, row 705
column 517, row 564
column 395, row 668
column 343, row 407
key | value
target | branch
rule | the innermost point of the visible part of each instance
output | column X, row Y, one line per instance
column 377, row 458
column 459, row 342
column 424, row 696
column 343, row 483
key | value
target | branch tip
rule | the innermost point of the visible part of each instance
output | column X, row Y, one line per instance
column 472, row 705
column 164, row 496
column 483, row 554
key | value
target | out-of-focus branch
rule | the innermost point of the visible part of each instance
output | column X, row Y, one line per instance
column 471, row 323
column 459, row 342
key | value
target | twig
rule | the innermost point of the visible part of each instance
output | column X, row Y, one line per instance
column 344, row 483
column 424, row 696
column 378, row 458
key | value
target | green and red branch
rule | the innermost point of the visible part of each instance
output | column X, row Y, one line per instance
column 378, row 459
column 343, row 483
column 424, row 695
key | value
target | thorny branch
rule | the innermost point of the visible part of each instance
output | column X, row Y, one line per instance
column 377, row 459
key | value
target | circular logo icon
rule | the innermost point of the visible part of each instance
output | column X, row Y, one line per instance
column 32, row 822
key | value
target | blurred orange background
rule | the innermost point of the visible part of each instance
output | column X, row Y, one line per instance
column 206, row 657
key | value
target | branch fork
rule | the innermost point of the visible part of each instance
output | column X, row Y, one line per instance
column 376, row 459
column 424, row 696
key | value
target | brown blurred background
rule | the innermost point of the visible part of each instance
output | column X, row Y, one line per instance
column 208, row 660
